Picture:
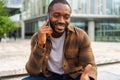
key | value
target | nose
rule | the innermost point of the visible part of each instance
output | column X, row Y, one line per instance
column 61, row 20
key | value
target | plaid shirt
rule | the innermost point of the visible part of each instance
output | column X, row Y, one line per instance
column 77, row 53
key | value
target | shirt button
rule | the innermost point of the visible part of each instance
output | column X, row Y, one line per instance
column 46, row 57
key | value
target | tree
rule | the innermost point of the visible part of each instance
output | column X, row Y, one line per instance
column 3, row 9
column 6, row 24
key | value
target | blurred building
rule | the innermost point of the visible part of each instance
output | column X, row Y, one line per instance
column 13, row 7
column 99, row 18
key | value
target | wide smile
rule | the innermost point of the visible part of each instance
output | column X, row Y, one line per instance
column 60, row 28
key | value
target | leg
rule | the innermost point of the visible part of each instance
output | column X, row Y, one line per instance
column 40, row 77
column 78, row 77
column 53, row 77
column 32, row 78
column 66, row 77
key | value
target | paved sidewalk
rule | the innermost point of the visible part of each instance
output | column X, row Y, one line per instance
column 14, row 54
column 106, row 52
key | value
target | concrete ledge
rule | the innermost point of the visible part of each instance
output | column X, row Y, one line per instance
column 14, row 55
column 13, row 72
column 107, row 61
column 23, row 70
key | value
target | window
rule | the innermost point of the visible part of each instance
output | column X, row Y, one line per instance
column 15, row 1
column 100, row 6
column 109, row 5
column 45, row 4
column 92, row 3
column 25, row 6
column 83, row 6
column 107, row 31
column 116, row 7
column 76, row 6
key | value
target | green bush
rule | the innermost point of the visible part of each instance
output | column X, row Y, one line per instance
column 6, row 25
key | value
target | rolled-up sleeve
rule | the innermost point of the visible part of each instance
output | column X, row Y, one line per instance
column 86, row 56
column 34, row 64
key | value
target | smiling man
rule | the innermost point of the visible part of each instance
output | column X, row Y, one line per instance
column 60, row 51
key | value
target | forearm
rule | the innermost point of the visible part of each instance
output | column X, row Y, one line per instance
column 34, row 64
column 86, row 57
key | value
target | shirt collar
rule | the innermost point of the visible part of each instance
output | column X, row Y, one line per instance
column 70, row 28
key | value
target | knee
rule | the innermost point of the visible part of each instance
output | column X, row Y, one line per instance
column 26, row 78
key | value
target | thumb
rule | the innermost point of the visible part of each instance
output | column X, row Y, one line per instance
column 87, row 69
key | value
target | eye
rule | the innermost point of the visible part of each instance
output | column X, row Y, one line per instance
column 66, row 16
column 56, row 15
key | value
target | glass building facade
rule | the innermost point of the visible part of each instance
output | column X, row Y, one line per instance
column 107, row 31
column 99, row 18
column 12, row 3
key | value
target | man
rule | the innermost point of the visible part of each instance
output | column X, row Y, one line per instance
column 60, row 51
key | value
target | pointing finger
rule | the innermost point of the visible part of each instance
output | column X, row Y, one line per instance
column 86, row 71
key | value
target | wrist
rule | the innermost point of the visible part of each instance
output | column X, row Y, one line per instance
column 40, row 45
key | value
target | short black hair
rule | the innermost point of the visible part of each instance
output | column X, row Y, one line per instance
column 58, row 1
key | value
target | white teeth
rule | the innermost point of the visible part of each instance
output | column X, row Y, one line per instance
column 60, row 27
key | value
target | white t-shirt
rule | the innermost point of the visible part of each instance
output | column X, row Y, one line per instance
column 55, row 60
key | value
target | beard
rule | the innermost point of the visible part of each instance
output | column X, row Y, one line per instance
column 58, row 28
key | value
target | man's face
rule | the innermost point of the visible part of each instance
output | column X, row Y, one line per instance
column 60, row 17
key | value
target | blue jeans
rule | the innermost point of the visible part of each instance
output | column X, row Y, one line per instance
column 53, row 77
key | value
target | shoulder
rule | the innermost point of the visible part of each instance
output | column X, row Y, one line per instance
column 79, row 32
column 35, row 36
column 82, row 35
column 76, row 29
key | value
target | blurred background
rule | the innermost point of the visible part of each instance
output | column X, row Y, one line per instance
column 20, row 19
column 102, row 15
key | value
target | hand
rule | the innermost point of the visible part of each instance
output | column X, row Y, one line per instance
column 42, row 32
column 84, row 75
